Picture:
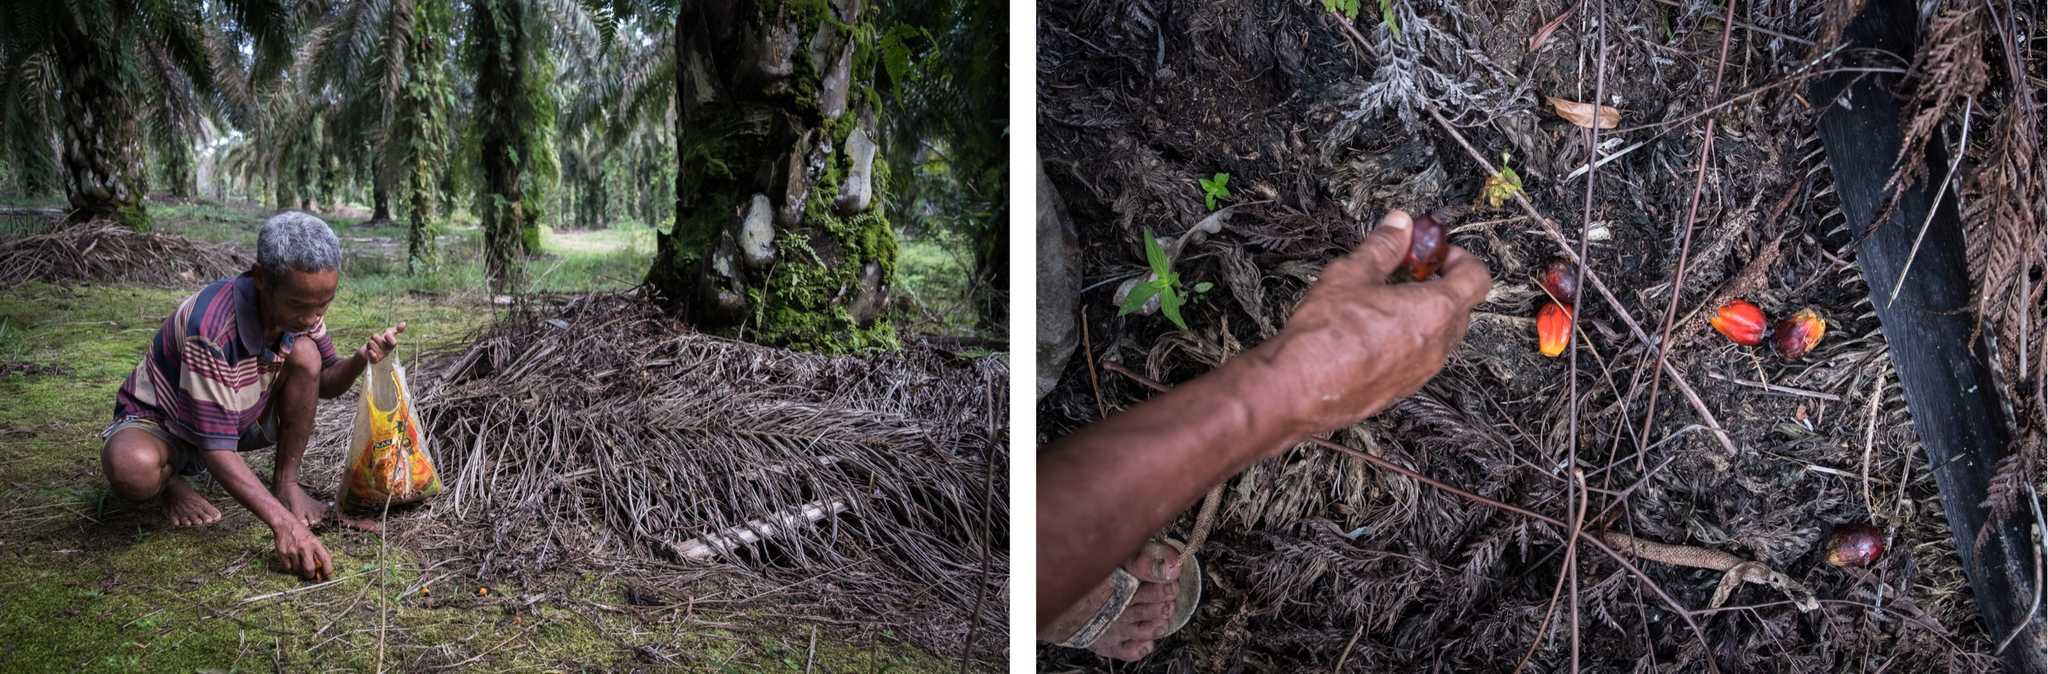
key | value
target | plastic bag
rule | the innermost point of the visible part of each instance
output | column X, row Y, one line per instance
column 387, row 453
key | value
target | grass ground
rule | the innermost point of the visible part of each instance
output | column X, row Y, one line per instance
column 91, row 584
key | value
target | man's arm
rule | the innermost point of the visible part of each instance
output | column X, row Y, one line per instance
column 1353, row 347
column 336, row 379
column 297, row 548
column 1105, row 489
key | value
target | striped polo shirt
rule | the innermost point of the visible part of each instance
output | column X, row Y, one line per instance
column 208, row 373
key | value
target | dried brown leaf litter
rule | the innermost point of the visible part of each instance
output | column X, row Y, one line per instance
column 102, row 251
column 1585, row 115
column 867, row 491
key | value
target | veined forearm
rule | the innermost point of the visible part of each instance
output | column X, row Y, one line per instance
column 1105, row 489
column 336, row 380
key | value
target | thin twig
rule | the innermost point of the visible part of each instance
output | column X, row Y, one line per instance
column 492, row 649
column 1870, row 439
column 988, row 479
column 1776, row 388
column 811, row 653
column 1348, row 645
column 1088, row 358
column 1617, row 154
column 383, row 573
column 1963, row 144
column 1578, row 493
column 297, row 590
column 1692, row 212
column 1571, row 563
column 1792, row 79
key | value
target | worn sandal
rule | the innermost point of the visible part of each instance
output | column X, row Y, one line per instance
column 1124, row 586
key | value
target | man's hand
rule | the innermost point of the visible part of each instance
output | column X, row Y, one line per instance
column 383, row 343
column 1356, row 343
column 301, row 552
column 1353, row 346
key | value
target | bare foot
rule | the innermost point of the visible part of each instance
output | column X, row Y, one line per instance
column 1145, row 620
column 184, row 507
column 308, row 509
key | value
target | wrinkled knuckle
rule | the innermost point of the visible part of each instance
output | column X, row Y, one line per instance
column 1387, row 248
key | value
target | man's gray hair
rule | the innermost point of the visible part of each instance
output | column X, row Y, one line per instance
column 295, row 240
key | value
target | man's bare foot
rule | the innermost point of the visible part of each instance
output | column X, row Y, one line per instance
column 1144, row 621
column 184, row 507
column 308, row 509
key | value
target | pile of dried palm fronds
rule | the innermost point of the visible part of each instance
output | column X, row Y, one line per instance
column 870, row 490
column 102, row 250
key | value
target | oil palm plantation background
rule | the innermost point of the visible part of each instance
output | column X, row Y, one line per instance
column 780, row 147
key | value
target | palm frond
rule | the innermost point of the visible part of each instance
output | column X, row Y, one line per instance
column 393, row 57
column 270, row 26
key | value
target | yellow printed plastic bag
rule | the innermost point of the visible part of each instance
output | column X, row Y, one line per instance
column 387, row 454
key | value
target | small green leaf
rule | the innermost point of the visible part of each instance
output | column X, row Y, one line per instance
column 1387, row 17
column 1204, row 287
column 1156, row 256
column 1502, row 187
column 1215, row 188
column 1140, row 294
column 1169, row 303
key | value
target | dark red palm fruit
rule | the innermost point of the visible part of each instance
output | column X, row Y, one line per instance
column 1795, row 336
column 1561, row 279
column 1427, row 247
column 1739, row 321
column 1856, row 545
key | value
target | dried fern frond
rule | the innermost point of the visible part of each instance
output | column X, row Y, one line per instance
column 1948, row 69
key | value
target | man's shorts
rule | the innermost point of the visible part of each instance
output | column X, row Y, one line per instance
column 188, row 459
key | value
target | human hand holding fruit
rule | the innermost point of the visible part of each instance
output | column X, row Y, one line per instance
column 1357, row 343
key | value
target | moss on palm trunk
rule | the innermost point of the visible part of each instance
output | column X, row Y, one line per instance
column 763, row 247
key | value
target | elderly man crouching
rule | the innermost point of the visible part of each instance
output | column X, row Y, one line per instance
column 237, row 368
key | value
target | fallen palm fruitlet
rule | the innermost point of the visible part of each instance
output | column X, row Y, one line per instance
column 1426, row 247
column 1739, row 321
column 1553, row 329
column 1795, row 336
column 1561, row 280
column 1856, row 545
